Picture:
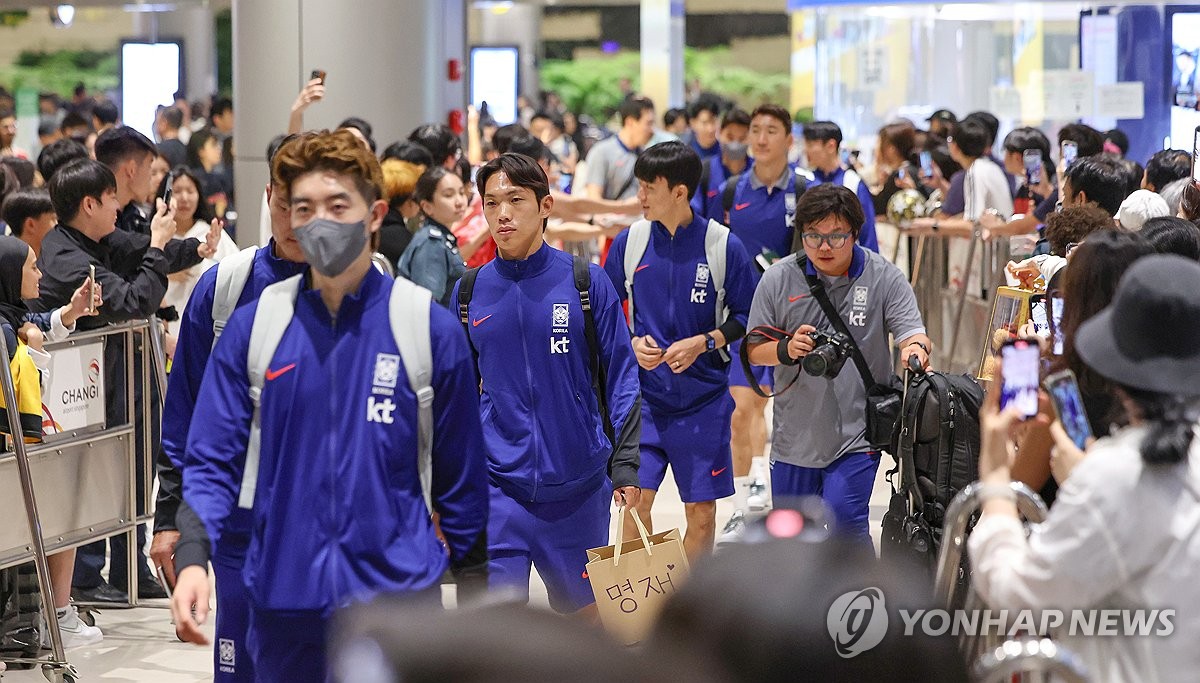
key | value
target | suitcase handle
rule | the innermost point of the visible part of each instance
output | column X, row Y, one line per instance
column 620, row 533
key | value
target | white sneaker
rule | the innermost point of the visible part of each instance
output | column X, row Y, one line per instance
column 74, row 632
column 734, row 528
column 757, row 500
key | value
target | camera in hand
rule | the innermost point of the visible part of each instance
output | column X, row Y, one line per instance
column 829, row 354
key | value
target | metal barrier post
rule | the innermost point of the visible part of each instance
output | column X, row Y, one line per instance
column 131, row 545
column 31, row 512
column 158, row 354
column 954, row 536
column 1040, row 656
column 962, row 296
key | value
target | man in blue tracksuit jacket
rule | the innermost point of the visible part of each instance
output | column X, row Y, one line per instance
column 552, row 467
column 338, row 512
column 280, row 259
column 679, row 339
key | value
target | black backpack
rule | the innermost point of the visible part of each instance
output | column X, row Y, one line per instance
column 936, row 447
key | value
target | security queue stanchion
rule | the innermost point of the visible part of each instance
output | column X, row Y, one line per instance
column 961, row 306
column 57, row 668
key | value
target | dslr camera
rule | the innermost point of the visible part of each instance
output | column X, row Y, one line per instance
column 829, row 354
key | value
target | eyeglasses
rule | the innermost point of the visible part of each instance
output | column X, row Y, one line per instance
column 835, row 240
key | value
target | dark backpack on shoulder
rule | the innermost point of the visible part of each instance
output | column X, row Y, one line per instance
column 937, row 454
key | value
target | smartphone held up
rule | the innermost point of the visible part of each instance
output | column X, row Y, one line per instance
column 1020, row 370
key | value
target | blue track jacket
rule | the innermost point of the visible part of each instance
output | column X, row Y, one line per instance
column 544, row 433
column 338, row 514
column 191, row 358
column 674, row 299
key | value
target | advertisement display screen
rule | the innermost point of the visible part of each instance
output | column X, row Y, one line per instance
column 494, row 80
column 1183, row 25
column 150, row 76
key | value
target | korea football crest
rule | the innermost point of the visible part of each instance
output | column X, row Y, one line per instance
column 560, row 323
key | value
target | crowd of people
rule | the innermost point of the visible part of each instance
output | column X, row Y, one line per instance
column 358, row 436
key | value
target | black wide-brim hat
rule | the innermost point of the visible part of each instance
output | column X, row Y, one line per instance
column 1149, row 336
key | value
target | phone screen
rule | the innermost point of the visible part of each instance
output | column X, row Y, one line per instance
column 926, row 164
column 1195, row 151
column 845, row 157
column 1070, row 150
column 1056, row 314
column 1068, row 402
column 166, row 195
column 1033, row 166
column 1037, row 313
column 1019, row 387
column 91, row 290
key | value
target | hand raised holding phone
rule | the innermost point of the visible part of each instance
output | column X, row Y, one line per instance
column 85, row 302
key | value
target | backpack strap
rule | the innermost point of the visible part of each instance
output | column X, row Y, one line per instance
column 716, row 243
column 583, row 283
column 851, row 181
column 466, row 289
column 730, row 194
column 408, row 315
column 635, row 248
column 276, row 306
column 232, row 274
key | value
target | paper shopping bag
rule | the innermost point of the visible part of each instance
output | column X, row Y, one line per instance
column 632, row 580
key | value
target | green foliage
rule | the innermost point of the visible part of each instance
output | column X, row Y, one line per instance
column 59, row 71
column 14, row 18
column 592, row 85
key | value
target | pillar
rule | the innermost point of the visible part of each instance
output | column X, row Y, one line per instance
column 662, row 53
column 385, row 61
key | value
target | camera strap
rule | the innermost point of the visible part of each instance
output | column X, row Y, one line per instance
column 835, row 319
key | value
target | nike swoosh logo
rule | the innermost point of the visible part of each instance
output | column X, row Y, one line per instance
column 476, row 323
column 798, row 297
column 276, row 374
column 640, row 268
column 717, row 473
column 712, row 193
column 739, row 207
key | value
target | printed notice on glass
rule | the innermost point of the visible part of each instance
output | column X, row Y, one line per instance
column 1069, row 94
column 1121, row 100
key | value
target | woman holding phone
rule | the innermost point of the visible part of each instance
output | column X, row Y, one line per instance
column 1125, row 531
column 193, row 218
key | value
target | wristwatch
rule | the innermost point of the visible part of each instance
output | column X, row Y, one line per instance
column 923, row 347
column 710, row 343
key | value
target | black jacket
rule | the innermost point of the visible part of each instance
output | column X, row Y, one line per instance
column 132, row 237
column 394, row 236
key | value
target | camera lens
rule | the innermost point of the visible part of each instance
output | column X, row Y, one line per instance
column 817, row 363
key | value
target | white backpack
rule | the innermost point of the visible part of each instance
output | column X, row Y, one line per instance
column 716, row 239
column 408, row 313
column 232, row 274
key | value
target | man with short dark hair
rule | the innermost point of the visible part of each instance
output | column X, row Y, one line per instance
column 669, row 265
column 29, row 214
column 441, row 142
column 1095, row 180
column 167, row 125
column 819, row 446
column 941, row 122
column 732, row 160
column 822, row 147
column 105, row 116
column 560, row 397
column 675, row 121
column 610, row 162
column 757, row 205
column 58, row 154
column 75, row 127
column 703, row 116
column 1166, row 167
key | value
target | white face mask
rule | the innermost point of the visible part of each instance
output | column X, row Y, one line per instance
column 330, row 247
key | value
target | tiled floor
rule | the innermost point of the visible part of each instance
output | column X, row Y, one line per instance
column 140, row 645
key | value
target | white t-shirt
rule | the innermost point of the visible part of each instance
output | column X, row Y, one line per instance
column 181, row 284
column 985, row 187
